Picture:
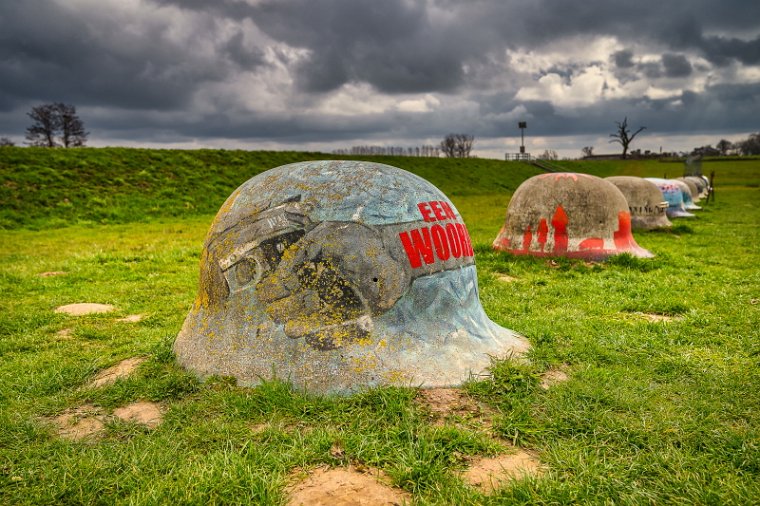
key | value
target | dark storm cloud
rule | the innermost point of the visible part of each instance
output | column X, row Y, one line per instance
column 52, row 52
column 623, row 59
column 139, row 71
column 676, row 65
column 401, row 46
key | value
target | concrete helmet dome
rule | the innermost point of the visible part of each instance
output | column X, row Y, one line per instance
column 673, row 194
column 688, row 201
column 700, row 183
column 339, row 275
column 568, row 214
column 645, row 202
column 693, row 189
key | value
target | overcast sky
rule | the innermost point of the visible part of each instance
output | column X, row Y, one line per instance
column 326, row 74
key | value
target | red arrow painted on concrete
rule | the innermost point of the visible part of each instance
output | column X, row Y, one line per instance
column 527, row 238
column 559, row 223
column 543, row 231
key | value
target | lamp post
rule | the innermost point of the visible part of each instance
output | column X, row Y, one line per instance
column 522, row 125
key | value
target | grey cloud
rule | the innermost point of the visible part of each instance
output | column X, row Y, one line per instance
column 623, row 59
column 49, row 52
column 676, row 65
column 139, row 76
column 401, row 46
column 651, row 70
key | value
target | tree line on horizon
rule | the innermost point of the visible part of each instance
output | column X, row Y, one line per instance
column 58, row 125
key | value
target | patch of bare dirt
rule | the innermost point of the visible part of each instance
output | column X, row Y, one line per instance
column 142, row 412
column 552, row 377
column 80, row 423
column 445, row 402
column 259, row 427
column 133, row 318
column 84, row 308
column 65, row 334
column 120, row 370
column 656, row 318
column 342, row 486
column 491, row 473
column 505, row 278
column 49, row 274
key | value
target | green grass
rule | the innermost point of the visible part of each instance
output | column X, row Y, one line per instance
column 654, row 412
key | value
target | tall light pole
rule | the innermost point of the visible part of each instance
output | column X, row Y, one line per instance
column 522, row 125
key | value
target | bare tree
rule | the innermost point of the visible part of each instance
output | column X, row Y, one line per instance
column 46, row 124
column 73, row 133
column 53, row 119
column 6, row 142
column 587, row 151
column 548, row 154
column 457, row 145
column 623, row 136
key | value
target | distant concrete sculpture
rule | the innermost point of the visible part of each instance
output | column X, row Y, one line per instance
column 568, row 214
column 337, row 275
column 673, row 193
column 693, row 188
column 645, row 202
column 688, row 201
column 701, row 183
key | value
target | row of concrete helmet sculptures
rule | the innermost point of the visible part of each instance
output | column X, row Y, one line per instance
column 583, row 216
column 342, row 275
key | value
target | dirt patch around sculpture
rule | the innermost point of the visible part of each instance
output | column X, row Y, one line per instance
column 133, row 318
column 491, row 473
column 445, row 403
column 345, row 486
column 89, row 422
column 120, row 370
column 65, row 334
column 50, row 274
column 142, row 412
column 84, row 308
column 552, row 377
column 82, row 422
column 657, row 318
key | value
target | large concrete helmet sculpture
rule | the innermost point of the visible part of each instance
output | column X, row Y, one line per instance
column 336, row 275
column 673, row 194
column 645, row 202
column 568, row 214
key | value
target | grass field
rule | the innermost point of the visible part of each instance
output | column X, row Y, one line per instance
column 662, row 356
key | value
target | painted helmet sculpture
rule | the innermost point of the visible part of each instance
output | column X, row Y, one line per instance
column 700, row 183
column 645, row 202
column 693, row 189
column 688, row 201
column 673, row 194
column 568, row 214
column 337, row 275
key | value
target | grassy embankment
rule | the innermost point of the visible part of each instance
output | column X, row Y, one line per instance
column 654, row 411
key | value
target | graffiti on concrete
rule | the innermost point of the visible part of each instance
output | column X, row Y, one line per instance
column 568, row 214
column 645, row 202
column 336, row 273
column 673, row 195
